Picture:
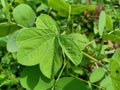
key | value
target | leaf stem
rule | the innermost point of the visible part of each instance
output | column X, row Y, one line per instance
column 61, row 71
column 69, row 20
column 100, row 48
column 94, row 59
column 85, row 81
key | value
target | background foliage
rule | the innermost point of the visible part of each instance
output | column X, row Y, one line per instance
column 59, row 44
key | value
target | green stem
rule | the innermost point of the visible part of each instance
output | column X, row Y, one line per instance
column 101, row 45
column 61, row 71
column 85, row 81
column 69, row 19
column 94, row 60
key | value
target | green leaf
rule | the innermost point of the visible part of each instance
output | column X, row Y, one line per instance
column 115, row 69
column 71, row 46
column 7, row 28
column 111, row 37
column 40, row 46
column 46, row 22
column 37, row 46
column 58, row 6
column 102, row 22
column 115, row 73
column 3, row 42
column 70, row 83
column 115, row 36
column 117, row 33
column 4, row 4
column 42, row 7
column 57, row 58
column 64, row 11
column 32, row 79
column 78, row 9
column 54, row 60
column 97, row 75
column 19, row 1
column 77, row 70
column 48, row 56
column 107, row 83
column 6, row 8
column 109, row 22
column 116, row 55
column 79, row 39
column 24, row 15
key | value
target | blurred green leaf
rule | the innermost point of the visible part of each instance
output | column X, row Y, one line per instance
column 24, row 15
column 78, row 9
column 102, row 22
column 58, row 6
column 107, row 83
column 5, row 5
column 115, row 36
column 114, row 73
column 97, row 75
column 115, row 69
column 42, row 7
column 77, row 70
column 109, row 22
column 19, row 1
column 116, row 55
column 74, row 9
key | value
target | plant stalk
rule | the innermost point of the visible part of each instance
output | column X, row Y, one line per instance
column 95, row 60
column 85, row 81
